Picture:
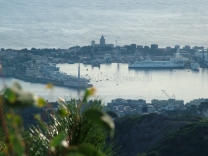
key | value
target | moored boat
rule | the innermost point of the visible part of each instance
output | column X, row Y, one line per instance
column 195, row 66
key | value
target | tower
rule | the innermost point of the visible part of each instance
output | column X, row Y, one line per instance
column 79, row 71
column 102, row 41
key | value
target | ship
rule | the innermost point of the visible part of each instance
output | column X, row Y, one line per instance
column 77, row 82
column 49, row 75
column 148, row 63
column 195, row 66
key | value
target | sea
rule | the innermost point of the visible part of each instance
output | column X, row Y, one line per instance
column 63, row 24
column 67, row 23
column 118, row 81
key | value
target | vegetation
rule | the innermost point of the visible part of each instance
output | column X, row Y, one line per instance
column 76, row 128
column 138, row 134
column 189, row 140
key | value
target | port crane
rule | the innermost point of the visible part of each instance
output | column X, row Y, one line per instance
column 173, row 97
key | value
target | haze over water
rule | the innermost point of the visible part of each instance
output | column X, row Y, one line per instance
column 62, row 24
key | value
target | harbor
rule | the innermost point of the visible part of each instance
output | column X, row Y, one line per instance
column 126, row 83
column 127, row 71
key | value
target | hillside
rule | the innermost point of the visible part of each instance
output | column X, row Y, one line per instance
column 137, row 134
column 190, row 140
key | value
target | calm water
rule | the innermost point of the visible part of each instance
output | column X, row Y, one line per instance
column 130, row 84
column 62, row 24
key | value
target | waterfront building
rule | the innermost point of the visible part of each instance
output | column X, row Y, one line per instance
column 25, row 54
column 187, row 48
column 93, row 43
column 140, row 47
column 154, row 46
column 102, row 41
column 109, row 45
column 146, row 47
column 177, row 48
column 167, row 49
column 133, row 46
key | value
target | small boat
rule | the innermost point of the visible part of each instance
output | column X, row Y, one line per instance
column 70, row 62
column 195, row 66
column 96, row 65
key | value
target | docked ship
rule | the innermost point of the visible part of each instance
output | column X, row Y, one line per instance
column 76, row 82
column 202, row 55
column 195, row 66
column 147, row 63
column 49, row 75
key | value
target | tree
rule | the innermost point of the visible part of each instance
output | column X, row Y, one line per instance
column 112, row 114
column 203, row 107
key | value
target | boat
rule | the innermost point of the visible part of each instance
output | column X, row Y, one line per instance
column 49, row 75
column 147, row 63
column 70, row 62
column 96, row 65
column 77, row 82
column 195, row 66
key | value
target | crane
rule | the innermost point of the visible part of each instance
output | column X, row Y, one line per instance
column 173, row 97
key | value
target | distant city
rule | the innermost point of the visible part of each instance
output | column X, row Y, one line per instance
column 39, row 66
column 124, row 107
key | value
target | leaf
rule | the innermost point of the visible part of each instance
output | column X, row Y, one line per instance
column 16, row 119
column 89, row 150
column 84, row 150
column 75, row 154
column 17, row 86
column 16, row 97
column 40, row 122
column 101, row 119
column 86, row 95
column 10, row 95
column 61, row 101
column 88, row 92
column 63, row 112
column 57, row 140
column 49, row 86
column 41, row 102
column 92, row 91
column 17, row 144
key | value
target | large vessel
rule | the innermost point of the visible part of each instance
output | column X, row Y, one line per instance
column 147, row 63
column 49, row 75
column 195, row 66
column 77, row 82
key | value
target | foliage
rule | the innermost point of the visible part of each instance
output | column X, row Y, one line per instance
column 112, row 114
column 189, row 140
column 76, row 128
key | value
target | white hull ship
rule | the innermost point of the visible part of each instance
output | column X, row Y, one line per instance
column 147, row 63
column 76, row 84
